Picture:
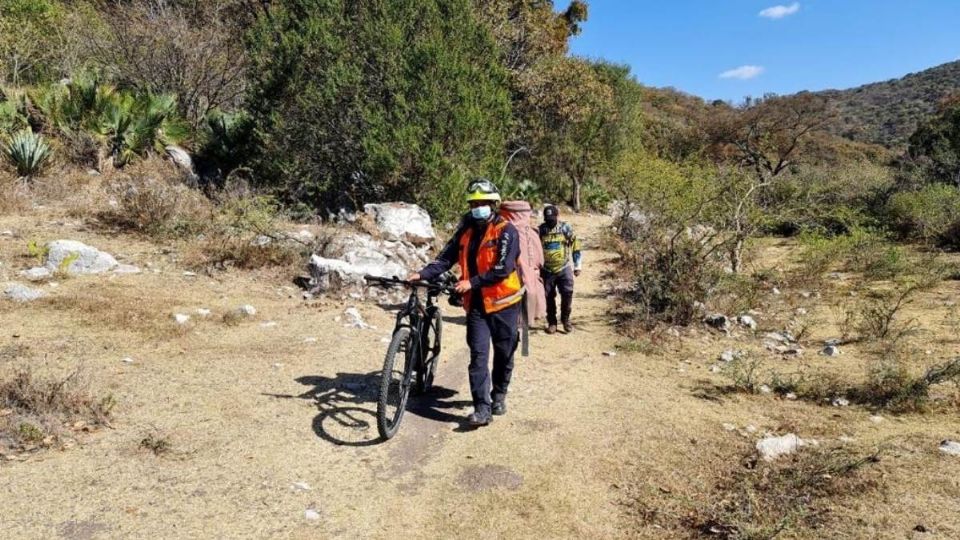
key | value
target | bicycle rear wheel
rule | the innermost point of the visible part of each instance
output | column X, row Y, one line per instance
column 395, row 383
column 432, row 332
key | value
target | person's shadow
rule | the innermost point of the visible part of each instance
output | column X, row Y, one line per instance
column 347, row 406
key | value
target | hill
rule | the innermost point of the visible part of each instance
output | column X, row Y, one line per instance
column 888, row 112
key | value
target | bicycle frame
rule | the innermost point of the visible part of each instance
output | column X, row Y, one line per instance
column 412, row 316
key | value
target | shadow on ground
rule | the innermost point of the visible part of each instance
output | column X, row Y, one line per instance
column 347, row 407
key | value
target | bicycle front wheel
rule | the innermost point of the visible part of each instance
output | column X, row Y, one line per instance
column 395, row 382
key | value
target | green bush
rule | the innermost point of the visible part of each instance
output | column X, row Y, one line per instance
column 28, row 152
column 927, row 215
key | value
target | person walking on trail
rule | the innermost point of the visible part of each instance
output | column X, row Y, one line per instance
column 486, row 247
column 560, row 245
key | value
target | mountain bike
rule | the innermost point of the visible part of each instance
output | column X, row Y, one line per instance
column 413, row 353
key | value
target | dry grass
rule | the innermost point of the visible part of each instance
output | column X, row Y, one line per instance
column 37, row 411
column 794, row 495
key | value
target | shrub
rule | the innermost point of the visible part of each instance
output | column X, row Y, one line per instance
column 928, row 214
column 879, row 314
column 152, row 200
column 27, row 152
column 890, row 386
column 40, row 408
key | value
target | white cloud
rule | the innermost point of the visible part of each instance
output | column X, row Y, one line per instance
column 743, row 73
column 779, row 12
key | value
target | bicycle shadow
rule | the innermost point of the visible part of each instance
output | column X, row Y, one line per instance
column 347, row 406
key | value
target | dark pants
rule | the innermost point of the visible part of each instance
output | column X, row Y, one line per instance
column 562, row 281
column 501, row 329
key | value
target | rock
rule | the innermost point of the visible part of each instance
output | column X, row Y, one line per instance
column 791, row 396
column 39, row 273
column 716, row 369
column 770, row 448
column 401, row 221
column 21, row 293
column 801, row 311
column 840, row 402
column 189, row 274
column 311, row 514
column 85, row 259
column 730, row 356
column 301, row 486
column 718, row 321
column 750, row 429
column 729, row 427
column 246, row 310
column 6, row 233
column 304, row 236
column 261, row 241
column 203, row 312
column 876, row 419
column 181, row 318
column 609, row 353
column 126, row 269
column 834, row 342
column 747, row 321
column 310, row 340
column 950, row 447
column 780, row 337
column 268, row 324
column 764, row 389
column 830, row 350
column 776, row 291
column 792, row 351
column 355, row 319
column 181, row 158
column 127, row 360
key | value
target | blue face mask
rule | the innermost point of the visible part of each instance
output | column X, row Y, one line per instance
column 481, row 213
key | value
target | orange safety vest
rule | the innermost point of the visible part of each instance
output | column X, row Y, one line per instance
column 501, row 295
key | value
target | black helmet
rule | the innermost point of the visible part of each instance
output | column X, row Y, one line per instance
column 551, row 212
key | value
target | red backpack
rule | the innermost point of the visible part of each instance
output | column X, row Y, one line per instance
column 529, row 265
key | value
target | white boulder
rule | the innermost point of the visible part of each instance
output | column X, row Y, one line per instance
column 83, row 259
column 402, row 221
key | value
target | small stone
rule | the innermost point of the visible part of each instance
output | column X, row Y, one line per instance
column 609, row 353
column 747, row 321
column 127, row 360
column 261, row 241
column 39, row 273
column 833, row 342
column 22, row 293
column 841, row 402
column 780, row 337
column 764, row 389
column 729, row 427
column 770, row 448
column 6, row 233
column 189, row 274
column 310, row 340
column 801, row 311
column 950, row 447
column 730, row 356
column 750, row 429
column 776, row 291
column 311, row 515
column 301, row 486
column 247, row 310
column 791, row 396
column 715, row 369
column 277, row 365
column 806, row 294
column 846, row 439
column 876, row 419
column 268, row 324
column 181, row 318
column 355, row 319
column 830, row 350
column 203, row 312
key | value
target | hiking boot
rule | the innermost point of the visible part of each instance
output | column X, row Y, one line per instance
column 499, row 407
column 480, row 417
column 567, row 326
column 552, row 329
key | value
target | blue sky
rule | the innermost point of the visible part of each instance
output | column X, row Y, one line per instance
column 802, row 45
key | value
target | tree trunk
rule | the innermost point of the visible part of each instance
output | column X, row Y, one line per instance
column 576, row 194
column 736, row 256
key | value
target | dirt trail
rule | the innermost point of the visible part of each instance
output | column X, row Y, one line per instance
column 252, row 410
column 274, row 417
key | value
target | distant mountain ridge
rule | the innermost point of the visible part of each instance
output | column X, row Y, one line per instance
column 888, row 112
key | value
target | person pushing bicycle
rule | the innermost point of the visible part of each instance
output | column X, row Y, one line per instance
column 486, row 247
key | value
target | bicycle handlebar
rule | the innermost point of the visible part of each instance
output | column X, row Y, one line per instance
column 413, row 284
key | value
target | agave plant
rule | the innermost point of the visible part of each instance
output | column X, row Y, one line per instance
column 28, row 152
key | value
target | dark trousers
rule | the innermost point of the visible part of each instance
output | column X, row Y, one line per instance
column 562, row 281
column 501, row 329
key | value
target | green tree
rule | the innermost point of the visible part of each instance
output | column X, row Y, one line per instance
column 361, row 101
column 935, row 146
column 30, row 40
